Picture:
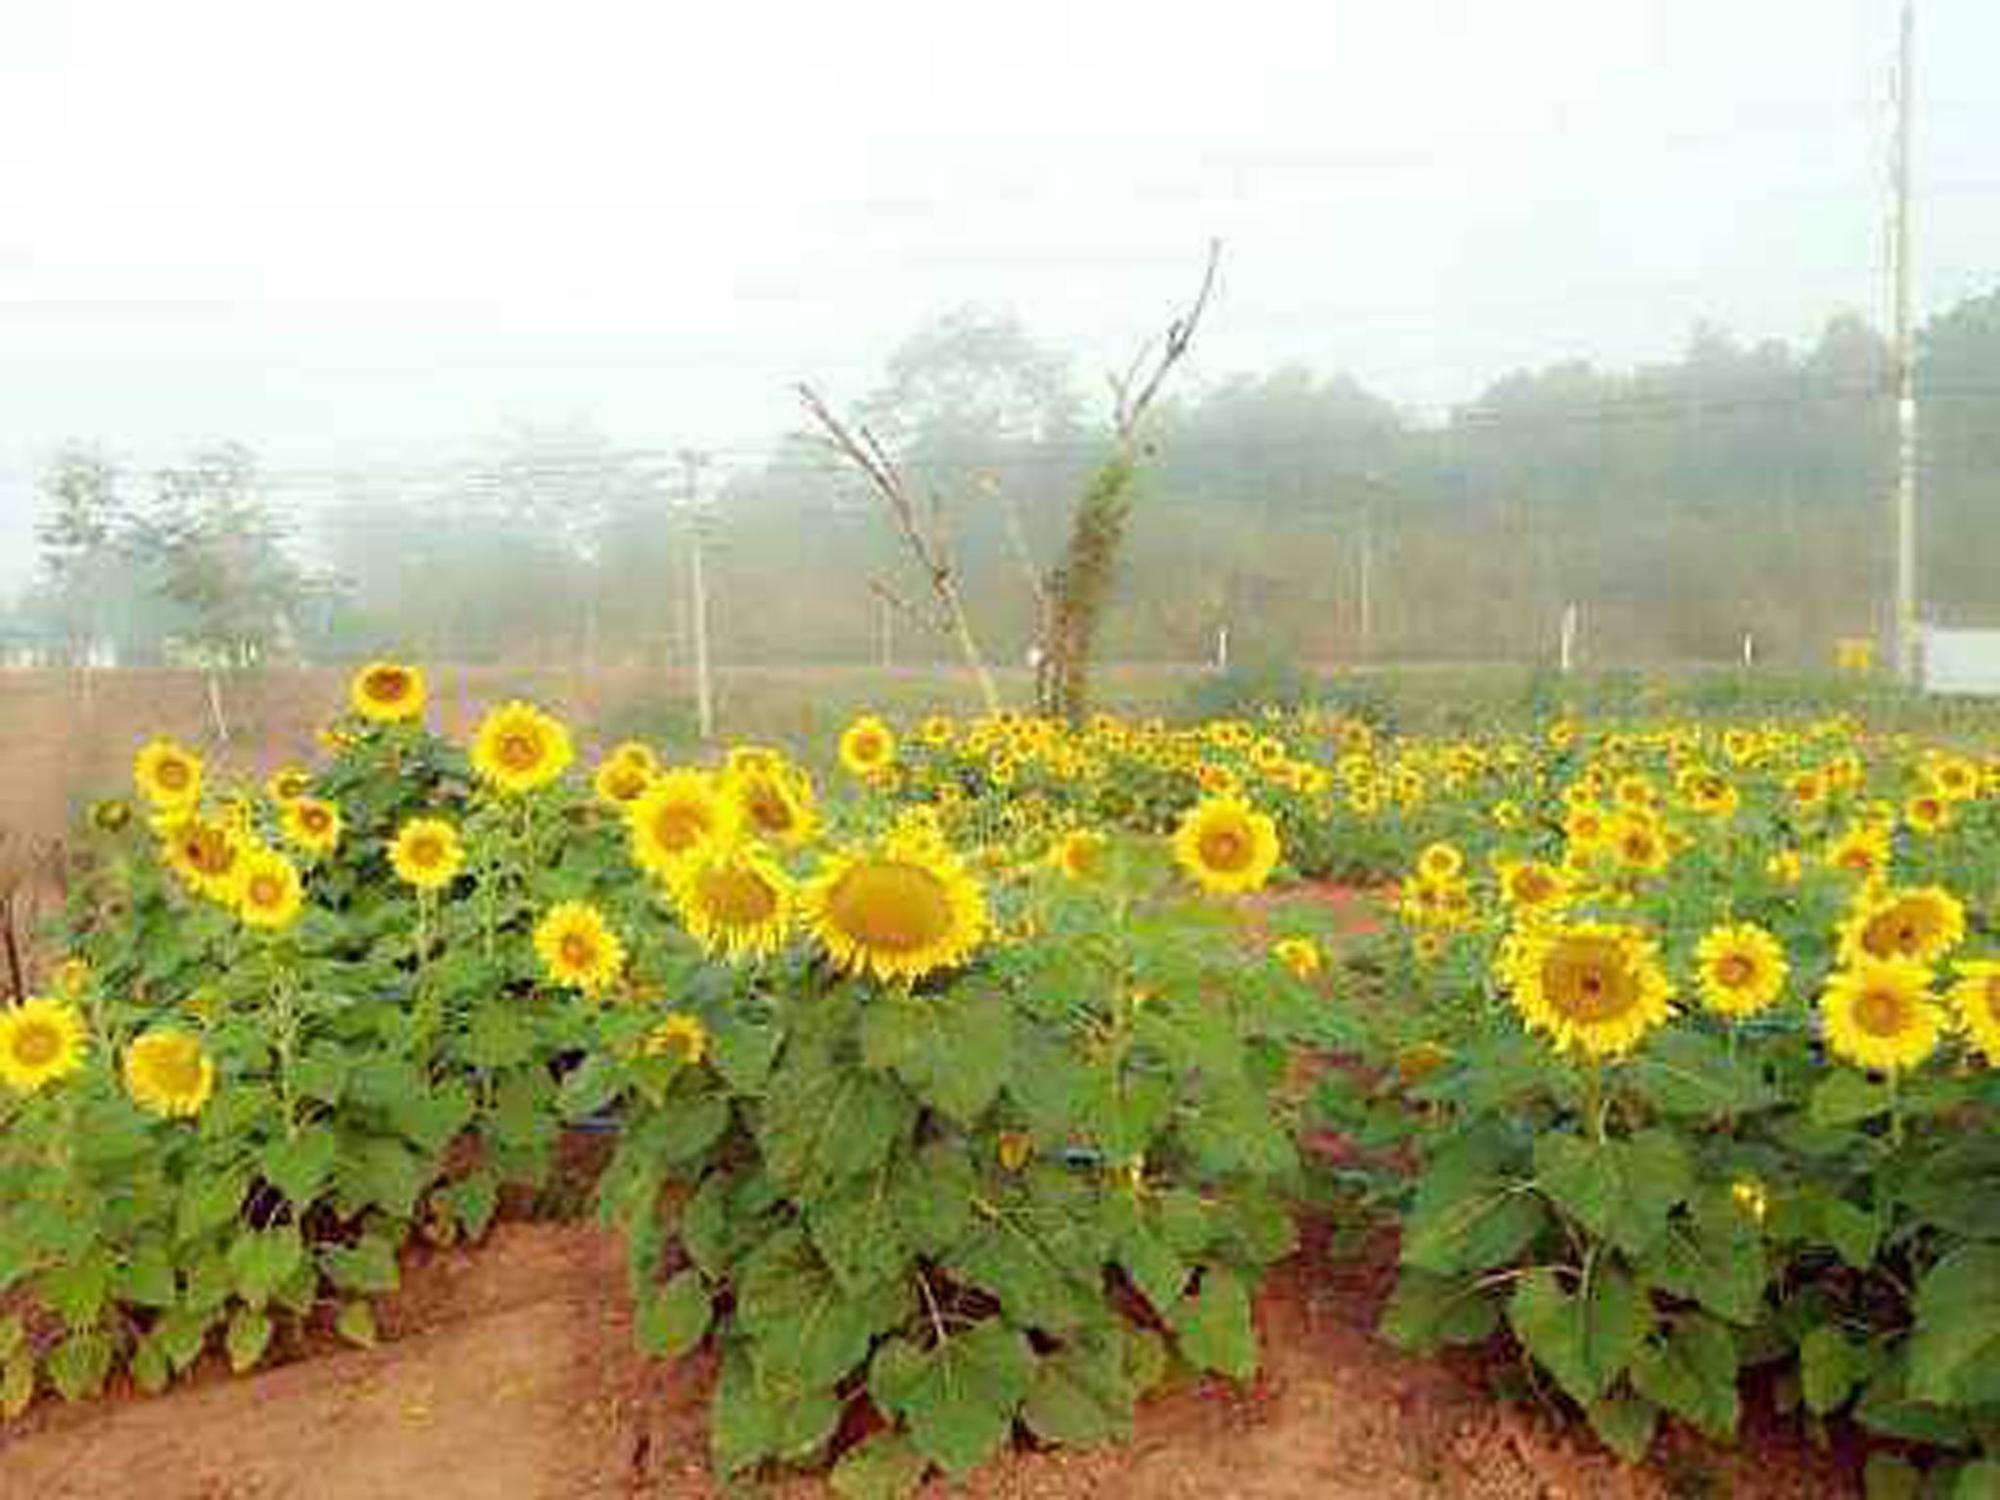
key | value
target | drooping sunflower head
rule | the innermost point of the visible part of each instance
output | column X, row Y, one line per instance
column 427, row 854
column 311, row 824
column 899, row 911
column 1591, row 987
column 1079, row 853
column 40, row 1041
column 167, row 774
column 578, row 948
column 681, row 1038
column 867, row 747
column 774, row 801
column 623, row 776
column 288, row 782
column 1920, row 923
column 1976, row 997
column 1878, row 1013
column 269, row 893
column 1440, row 861
column 206, row 855
column 735, row 899
column 679, row 812
column 1531, row 885
column 1742, row 969
column 1299, row 954
column 520, row 749
column 169, row 1073
column 1226, row 846
column 387, row 692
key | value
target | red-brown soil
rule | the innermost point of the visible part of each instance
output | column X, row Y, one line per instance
column 508, row 1370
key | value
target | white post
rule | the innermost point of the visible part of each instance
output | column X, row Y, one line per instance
column 1749, row 649
column 1566, row 644
column 1222, row 648
column 704, row 698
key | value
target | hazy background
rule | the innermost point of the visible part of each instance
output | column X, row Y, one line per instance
column 366, row 236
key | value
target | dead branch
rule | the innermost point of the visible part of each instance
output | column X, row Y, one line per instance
column 1130, row 404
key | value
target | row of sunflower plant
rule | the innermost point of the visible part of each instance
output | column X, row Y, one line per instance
column 979, row 1137
column 1694, row 1043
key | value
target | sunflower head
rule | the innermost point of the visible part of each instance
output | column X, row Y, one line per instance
column 168, row 1072
column 268, row 892
column 1878, row 1013
column 1920, row 923
column 167, row 774
column 1976, row 998
column 1862, row 849
column 207, row 855
column 1742, row 969
column 1226, row 845
column 1530, row 885
column 311, row 824
column 867, row 747
column 1440, row 861
column 734, row 898
column 1299, row 954
column 774, row 800
column 427, row 854
column 1591, row 987
column 519, row 749
column 680, row 1038
column 622, row 780
column 1079, row 853
column 578, row 948
column 387, row 692
column 40, row 1041
column 1928, row 813
column 288, row 782
column 682, row 810
column 900, row 911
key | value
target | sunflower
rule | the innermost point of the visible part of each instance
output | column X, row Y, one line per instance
column 1879, row 1013
column 774, row 801
column 867, row 747
column 622, row 779
column 167, row 774
column 1079, row 853
column 1927, row 813
column 578, row 948
column 1440, row 861
column 387, row 692
column 1862, row 849
column 1920, row 923
column 681, row 810
column 518, row 748
column 71, row 977
column 1742, row 969
column 206, row 855
column 1786, row 866
column 1639, row 843
column 288, row 782
column 734, row 898
column 167, row 1072
column 899, row 912
column 1595, row 987
column 111, row 815
column 1299, row 954
column 1532, row 885
column 40, row 1041
column 1226, row 845
column 427, row 854
column 1977, row 998
column 268, row 891
column 311, row 824
column 680, row 1037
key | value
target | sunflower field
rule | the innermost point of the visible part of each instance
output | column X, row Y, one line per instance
column 966, row 1091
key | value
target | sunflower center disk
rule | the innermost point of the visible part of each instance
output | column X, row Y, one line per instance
column 1589, row 985
column 1225, row 849
column 892, row 908
column 737, row 898
column 36, row 1046
column 520, row 752
column 1879, row 1013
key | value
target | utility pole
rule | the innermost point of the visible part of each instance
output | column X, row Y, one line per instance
column 1904, row 639
column 693, row 461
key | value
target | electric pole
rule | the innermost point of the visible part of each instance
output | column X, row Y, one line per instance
column 1904, row 638
column 693, row 461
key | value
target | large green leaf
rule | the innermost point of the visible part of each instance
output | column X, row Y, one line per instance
column 262, row 1260
column 755, row 1417
column 1620, row 1190
column 1831, row 1368
column 1692, row 1373
column 804, row 1328
column 959, row 1397
column 299, row 1166
column 672, row 1319
column 820, row 1121
column 1955, row 1347
column 1213, row 1328
column 1688, row 1072
column 885, row 1466
column 1471, row 1211
column 1712, row 1254
column 1083, row 1392
column 955, row 1050
column 1585, row 1339
column 1426, row 1312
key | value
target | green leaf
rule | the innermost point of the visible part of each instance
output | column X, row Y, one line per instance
column 322, row 1073
column 356, row 1324
column 150, row 1370
column 688, row 1127
column 1954, row 1349
column 1470, row 1212
column 1692, row 1373
column 181, row 1333
column 207, row 1202
column 1213, row 1328
column 753, row 1419
column 147, row 1279
column 1426, row 1312
column 820, row 1121
column 1618, row 1190
column 13, row 1335
column 79, row 1365
column 1887, row 1407
column 1847, row 1097
column 1853, row 1232
column 858, row 1231
column 248, row 1337
column 672, row 1320
column 805, row 1328
column 1688, row 1072
column 1714, row 1255
column 1083, row 1393
column 499, row 1037
column 959, row 1397
column 382, row 1172
column 743, row 1054
column 1624, row 1424
column 431, row 1120
column 262, row 1260
column 955, row 1050
column 299, row 1167
column 472, row 1201
column 369, row 1265
column 1978, row 1480
column 77, row 1292
column 1830, row 1368
column 887, row 1466
column 1584, row 1341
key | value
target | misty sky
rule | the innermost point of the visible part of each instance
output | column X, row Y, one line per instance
column 372, row 231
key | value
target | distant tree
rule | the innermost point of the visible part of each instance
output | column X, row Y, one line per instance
column 79, row 537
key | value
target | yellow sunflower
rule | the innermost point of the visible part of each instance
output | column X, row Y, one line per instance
column 387, row 692
column 207, row 856
column 1593, row 987
column 578, row 947
column 1742, row 969
column 773, row 800
column 1928, row 813
column 518, row 748
column 1299, row 954
column 867, row 747
column 1879, row 1014
column 288, row 782
column 734, row 898
column 622, row 778
column 1976, row 997
column 899, row 912
column 40, row 1042
column 268, row 893
column 167, row 774
column 1862, row 849
column 1226, row 845
column 427, row 854
column 680, row 1037
column 1639, row 842
column 1531, row 885
column 1920, row 923
column 168, row 1072
column 311, row 824
column 679, row 812
column 1079, row 853
column 1440, row 861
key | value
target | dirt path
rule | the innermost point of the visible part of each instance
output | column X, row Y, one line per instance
column 508, row 1371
